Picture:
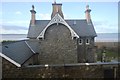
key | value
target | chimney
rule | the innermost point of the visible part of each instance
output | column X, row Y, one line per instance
column 87, row 14
column 33, row 12
column 57, row 8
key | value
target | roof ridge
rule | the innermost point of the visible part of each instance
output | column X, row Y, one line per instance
column 29, row 47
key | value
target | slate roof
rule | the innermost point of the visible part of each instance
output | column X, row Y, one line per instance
column 81, row 28
column 34, row 44
column 34, row 31
column 18, row 51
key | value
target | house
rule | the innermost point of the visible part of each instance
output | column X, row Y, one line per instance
column 55, row 41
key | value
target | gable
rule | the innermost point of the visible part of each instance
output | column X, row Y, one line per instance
column 58, row 47
column 58, row 19
column 80, row 27
column 56, row 32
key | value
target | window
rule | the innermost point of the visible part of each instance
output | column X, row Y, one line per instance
column 80, row 42
column 87, row 41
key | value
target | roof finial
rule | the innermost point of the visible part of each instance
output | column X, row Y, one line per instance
column 87, row 7
column 32, row 7
column 55, row 1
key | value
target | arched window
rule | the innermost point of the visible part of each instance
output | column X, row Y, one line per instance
column 87, row 41
column 80, row 42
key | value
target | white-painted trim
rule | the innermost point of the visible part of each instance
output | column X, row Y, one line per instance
column 29, row 47
column 58, row 19
column 88, row 41
column 12, row 61
column 81, row 41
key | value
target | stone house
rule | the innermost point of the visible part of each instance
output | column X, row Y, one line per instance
column 55, row 41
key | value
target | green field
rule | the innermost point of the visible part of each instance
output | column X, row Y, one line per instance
column 110, row 49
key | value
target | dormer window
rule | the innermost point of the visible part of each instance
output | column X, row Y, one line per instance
column 80, row 42
column 87, row 41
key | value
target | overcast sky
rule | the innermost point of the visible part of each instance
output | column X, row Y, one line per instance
column 15, row 16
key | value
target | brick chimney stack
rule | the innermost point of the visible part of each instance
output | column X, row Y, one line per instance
column 33, row 12
column 57, row 8
column 87, row 14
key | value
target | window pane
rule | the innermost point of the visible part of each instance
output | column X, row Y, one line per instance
column 87, row 41
column 80, row 42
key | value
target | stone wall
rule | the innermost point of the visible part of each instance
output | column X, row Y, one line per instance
column 11, row 71
column 58, row 46
column 86, row 52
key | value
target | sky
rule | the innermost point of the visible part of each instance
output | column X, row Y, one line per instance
column 15, row 16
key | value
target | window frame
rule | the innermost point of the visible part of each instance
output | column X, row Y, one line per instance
column 80, row 42
column 87, row 41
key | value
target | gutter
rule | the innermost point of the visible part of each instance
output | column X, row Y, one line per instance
column 9, row 59
column 30, row 47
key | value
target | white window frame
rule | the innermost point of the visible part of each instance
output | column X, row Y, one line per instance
column 87, row 41
column 80, row 42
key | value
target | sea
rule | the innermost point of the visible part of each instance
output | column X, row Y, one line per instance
column 101, row 37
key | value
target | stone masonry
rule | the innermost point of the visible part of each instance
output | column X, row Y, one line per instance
column 58, row 47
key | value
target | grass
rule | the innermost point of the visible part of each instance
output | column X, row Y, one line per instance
column 110, row 55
